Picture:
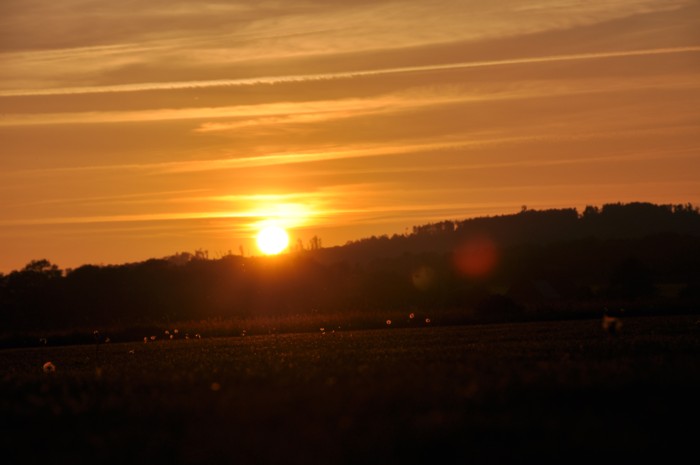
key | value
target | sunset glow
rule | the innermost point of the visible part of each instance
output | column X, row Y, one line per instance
column 185, row 125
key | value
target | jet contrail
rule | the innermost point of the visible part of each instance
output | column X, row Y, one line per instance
column 340, row 75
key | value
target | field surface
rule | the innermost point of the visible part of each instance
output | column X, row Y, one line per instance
column 564, row 392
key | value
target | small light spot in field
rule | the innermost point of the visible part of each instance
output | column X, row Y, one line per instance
column 166, row 332
column 49, row 367
column 145, row 340
column 132, row 352
column 612, row 325
column 322, row 329
column 108, row 340
column 176, row 331
column 153, row 338
column 388, row 322
column 171, row 337
column 411, row 315
column 198, row 336
column 43, row 341
column 215, row 387
column 427, row 321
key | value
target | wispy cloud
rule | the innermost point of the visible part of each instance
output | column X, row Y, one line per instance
column 293, row 209
column 135, row 198
column 249, row 162
column 207, row 37
column 125, row 218
column 394, row 148
column 139, row 87
column 309, row 111
column 469, row 165
column 227, row 118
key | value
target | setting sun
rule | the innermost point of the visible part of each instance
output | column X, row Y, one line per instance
column 272, row 240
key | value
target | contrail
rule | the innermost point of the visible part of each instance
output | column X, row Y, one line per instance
column 341, row 75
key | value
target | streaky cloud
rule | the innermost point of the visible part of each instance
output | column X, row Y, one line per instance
column 229, row 118
column 140, row 87
column 331, row 154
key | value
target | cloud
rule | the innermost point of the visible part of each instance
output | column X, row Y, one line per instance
column 293, row 209
column 122, row 199
column 139, row 87
column 278, row 114
column 389, row 149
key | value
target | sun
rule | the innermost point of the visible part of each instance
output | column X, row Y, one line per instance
column 272, row 240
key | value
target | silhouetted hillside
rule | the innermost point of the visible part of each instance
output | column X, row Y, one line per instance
column 612, row 221
column 534, row 264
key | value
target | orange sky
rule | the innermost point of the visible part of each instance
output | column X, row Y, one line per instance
column 131, row 130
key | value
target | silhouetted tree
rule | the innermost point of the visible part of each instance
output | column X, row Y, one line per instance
column 315, row 243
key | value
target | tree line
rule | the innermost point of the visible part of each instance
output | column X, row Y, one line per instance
column 527, row 265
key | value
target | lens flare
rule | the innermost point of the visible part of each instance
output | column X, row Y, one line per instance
column 477, row 257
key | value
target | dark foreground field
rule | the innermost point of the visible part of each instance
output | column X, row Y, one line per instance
column 562, row 392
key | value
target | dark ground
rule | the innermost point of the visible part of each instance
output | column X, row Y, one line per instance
column 564, row 392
